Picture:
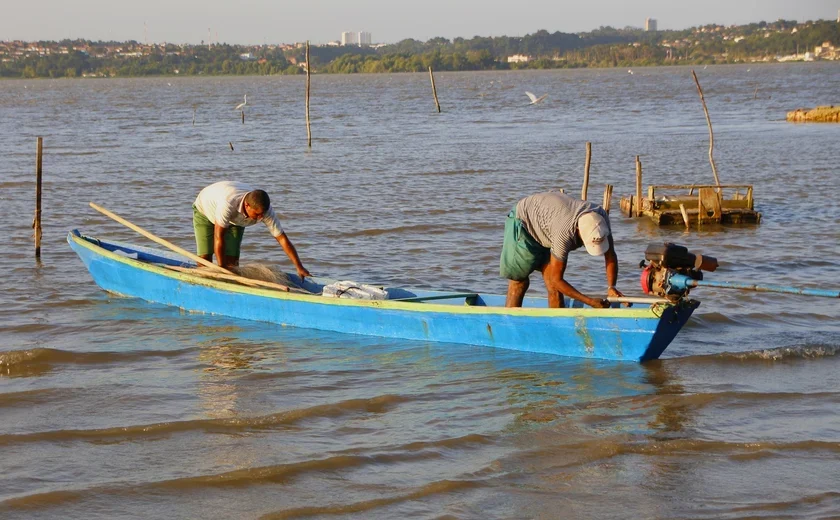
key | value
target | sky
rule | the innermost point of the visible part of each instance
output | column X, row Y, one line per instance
column 320, row 21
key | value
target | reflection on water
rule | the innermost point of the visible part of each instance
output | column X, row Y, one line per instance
column 672, row 415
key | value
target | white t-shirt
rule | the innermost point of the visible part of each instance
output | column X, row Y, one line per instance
column 223, row 203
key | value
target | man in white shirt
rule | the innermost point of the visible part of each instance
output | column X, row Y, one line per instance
column 221, row 213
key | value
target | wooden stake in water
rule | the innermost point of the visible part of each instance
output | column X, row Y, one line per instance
column 607, row 197
column 308, row 129
column 434, row 90
column 711, row 134
column 586, row 171
column 194, row 110
column 243, row 116
column 684, row 215
column 36, row 224
column 638, row 205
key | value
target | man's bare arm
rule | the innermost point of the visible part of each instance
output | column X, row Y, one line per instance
column 219, row 244
column 291, row 252
column 553, row 274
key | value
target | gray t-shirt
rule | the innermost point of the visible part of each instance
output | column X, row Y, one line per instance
column 551, row 218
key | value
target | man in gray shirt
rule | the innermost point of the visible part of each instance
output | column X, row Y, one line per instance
column 540, row 232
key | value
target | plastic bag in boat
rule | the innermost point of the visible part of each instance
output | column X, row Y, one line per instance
column 354, row 290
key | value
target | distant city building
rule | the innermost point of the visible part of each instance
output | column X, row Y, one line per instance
column 650, row 24
column 518, row 58
column 349, row 38
column 356, row 38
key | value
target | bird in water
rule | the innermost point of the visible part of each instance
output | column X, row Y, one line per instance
column 535, row 99
column 629, row 71
column 241, row 105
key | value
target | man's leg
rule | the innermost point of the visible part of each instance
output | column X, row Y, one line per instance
column 233, row 243
column 203, row 229
column 516, row 292
column 555, row 298
column 517, row 260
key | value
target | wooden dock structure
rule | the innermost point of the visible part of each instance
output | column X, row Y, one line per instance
column 694, row 204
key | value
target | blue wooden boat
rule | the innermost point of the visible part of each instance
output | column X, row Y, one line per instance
column 639, row 333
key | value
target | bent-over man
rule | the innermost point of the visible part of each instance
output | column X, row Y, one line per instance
column 221, row 213
column 540, row 231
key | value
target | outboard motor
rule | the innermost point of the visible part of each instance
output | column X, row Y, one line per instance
column 674, row 270
column 670, row 264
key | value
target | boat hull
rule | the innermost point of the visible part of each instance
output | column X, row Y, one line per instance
column 637, row 334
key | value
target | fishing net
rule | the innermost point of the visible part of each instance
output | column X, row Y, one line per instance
column 265, row 273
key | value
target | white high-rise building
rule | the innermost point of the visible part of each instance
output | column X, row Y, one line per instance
column 355, row 38
column 650, row 24
column 349, row 38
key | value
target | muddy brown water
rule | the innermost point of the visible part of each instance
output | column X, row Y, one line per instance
column 115, row 408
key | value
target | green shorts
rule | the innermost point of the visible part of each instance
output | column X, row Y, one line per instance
column 204, row 230
column 521, row 254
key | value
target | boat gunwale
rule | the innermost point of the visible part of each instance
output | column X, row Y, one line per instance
column 645, row 312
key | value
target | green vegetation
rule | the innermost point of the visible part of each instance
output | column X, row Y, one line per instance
column 603, row 47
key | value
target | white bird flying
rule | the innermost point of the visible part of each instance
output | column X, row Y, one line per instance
column 535, row 99
column 241, row 105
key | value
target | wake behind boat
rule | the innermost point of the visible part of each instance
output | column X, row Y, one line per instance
column 637, row 333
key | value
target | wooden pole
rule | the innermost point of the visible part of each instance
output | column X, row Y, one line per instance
column 243, row 116
column 308, row 129
column 607, row 198
column 711, row 134
column 36, row 224
column 638, row 206
column 434, row 90
column 586, row 171
column 194, row 110
column 637, row 299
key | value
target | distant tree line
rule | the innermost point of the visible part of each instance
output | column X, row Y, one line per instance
column 603, row 47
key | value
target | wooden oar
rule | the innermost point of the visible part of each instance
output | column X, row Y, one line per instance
column 240, row 279
column 221, row 270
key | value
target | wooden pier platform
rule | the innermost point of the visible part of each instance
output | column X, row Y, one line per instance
column 694, row 204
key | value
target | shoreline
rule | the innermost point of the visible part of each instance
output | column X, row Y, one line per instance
column 517, row 69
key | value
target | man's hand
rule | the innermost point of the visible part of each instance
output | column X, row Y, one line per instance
column 612, row 292
column 302, row 272
column 599, row 304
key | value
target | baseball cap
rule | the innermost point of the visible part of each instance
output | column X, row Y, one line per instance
column 595, row 232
